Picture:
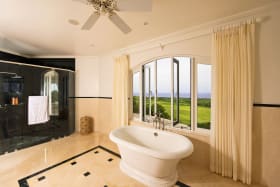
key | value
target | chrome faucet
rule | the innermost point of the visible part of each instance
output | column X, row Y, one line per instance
column 157, row 121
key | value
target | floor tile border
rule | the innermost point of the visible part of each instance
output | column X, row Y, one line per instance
column 23, row 182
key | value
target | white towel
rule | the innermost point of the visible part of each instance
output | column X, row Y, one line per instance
column 37, row 110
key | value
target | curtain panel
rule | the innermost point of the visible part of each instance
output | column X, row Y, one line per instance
column 120, row 92
column 233, row 72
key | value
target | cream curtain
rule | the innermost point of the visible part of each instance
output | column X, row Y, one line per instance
column 120, row 92
column 231, row 135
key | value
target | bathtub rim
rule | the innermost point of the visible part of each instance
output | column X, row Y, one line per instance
column 154, row 153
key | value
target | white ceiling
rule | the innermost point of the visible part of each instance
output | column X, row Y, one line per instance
column 41, row 28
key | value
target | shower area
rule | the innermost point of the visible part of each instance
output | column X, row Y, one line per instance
column 35, row 105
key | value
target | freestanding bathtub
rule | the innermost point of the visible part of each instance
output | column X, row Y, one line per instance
column 151, row 155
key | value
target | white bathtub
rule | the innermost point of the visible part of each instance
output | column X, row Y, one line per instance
column 151, row 155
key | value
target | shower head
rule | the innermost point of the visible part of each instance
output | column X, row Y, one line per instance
column 13, row 75
column 16, row 76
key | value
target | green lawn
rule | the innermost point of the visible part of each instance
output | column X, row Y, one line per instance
column 163, row 105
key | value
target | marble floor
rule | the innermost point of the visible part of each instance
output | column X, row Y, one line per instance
column 20, row 164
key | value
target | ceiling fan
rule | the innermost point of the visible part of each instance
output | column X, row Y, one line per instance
column 110, row 7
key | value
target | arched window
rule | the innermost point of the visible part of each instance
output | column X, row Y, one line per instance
column 177, row 87
column 50, row 86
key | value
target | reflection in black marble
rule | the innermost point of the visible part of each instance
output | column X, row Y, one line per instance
column 20, row 81
column 20, row 142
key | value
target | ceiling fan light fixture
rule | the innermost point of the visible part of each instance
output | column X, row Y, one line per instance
column 110, row 7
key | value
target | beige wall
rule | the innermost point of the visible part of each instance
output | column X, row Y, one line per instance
column 266, row 148
column 267, row 58
column 87, row 77
column 87, row 85
column 87, row 107
column 99, row 109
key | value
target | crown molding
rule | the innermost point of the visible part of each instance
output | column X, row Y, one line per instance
column 198, row 31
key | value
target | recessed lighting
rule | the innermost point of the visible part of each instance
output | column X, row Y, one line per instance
column 73, row 22
column 146, row 23
column 92, row 45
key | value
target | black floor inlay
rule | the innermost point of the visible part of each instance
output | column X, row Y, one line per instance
column 86, row 174
column 41, row 178
column 180, row 184
column 24, row 183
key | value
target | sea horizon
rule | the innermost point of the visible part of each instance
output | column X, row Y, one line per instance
column 182, row 95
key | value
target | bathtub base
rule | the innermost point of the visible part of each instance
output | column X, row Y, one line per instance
column 148, row 180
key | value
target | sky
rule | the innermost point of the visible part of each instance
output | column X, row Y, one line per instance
column 164, row 74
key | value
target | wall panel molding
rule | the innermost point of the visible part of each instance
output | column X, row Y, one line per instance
column 266, row 105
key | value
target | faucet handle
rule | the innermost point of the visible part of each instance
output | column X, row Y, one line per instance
column 158, row 114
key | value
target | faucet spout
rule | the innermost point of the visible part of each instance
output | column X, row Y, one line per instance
column 157, row 121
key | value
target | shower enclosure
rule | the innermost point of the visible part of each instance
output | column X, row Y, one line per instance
column 20, row 81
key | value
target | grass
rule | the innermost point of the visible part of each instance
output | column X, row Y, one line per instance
column 203, row 110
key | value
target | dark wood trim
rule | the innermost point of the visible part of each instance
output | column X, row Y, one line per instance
column 12, row 57
column 89, row 97
column 64, row 63
column 266, row 105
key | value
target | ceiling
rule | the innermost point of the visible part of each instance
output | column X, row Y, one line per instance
column 41, row 27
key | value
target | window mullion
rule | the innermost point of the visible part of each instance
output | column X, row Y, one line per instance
column 155, row 88
column 193, row 94
column 150, row 98
column 143, row 95
column 172, row 91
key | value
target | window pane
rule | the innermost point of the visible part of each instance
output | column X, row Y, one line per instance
column 136, row 94
column 184, row 91
column 203, row 96
column 164, row 88
column 149, row 90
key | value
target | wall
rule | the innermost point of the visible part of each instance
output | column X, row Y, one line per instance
column 266, row 152
column 91, row 75
column 267, row 58
column 87, row 85
column 87, row 77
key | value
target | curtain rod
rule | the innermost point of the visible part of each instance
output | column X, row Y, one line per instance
column 33, row 65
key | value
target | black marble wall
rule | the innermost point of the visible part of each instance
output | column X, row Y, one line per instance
column 15, row 133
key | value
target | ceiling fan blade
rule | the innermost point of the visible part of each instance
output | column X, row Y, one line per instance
column 91, row 21
column 117, row 20
column 134, row 5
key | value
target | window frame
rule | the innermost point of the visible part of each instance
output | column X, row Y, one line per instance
column 193, row 91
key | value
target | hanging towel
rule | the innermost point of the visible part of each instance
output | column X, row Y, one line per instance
column 37, row 110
